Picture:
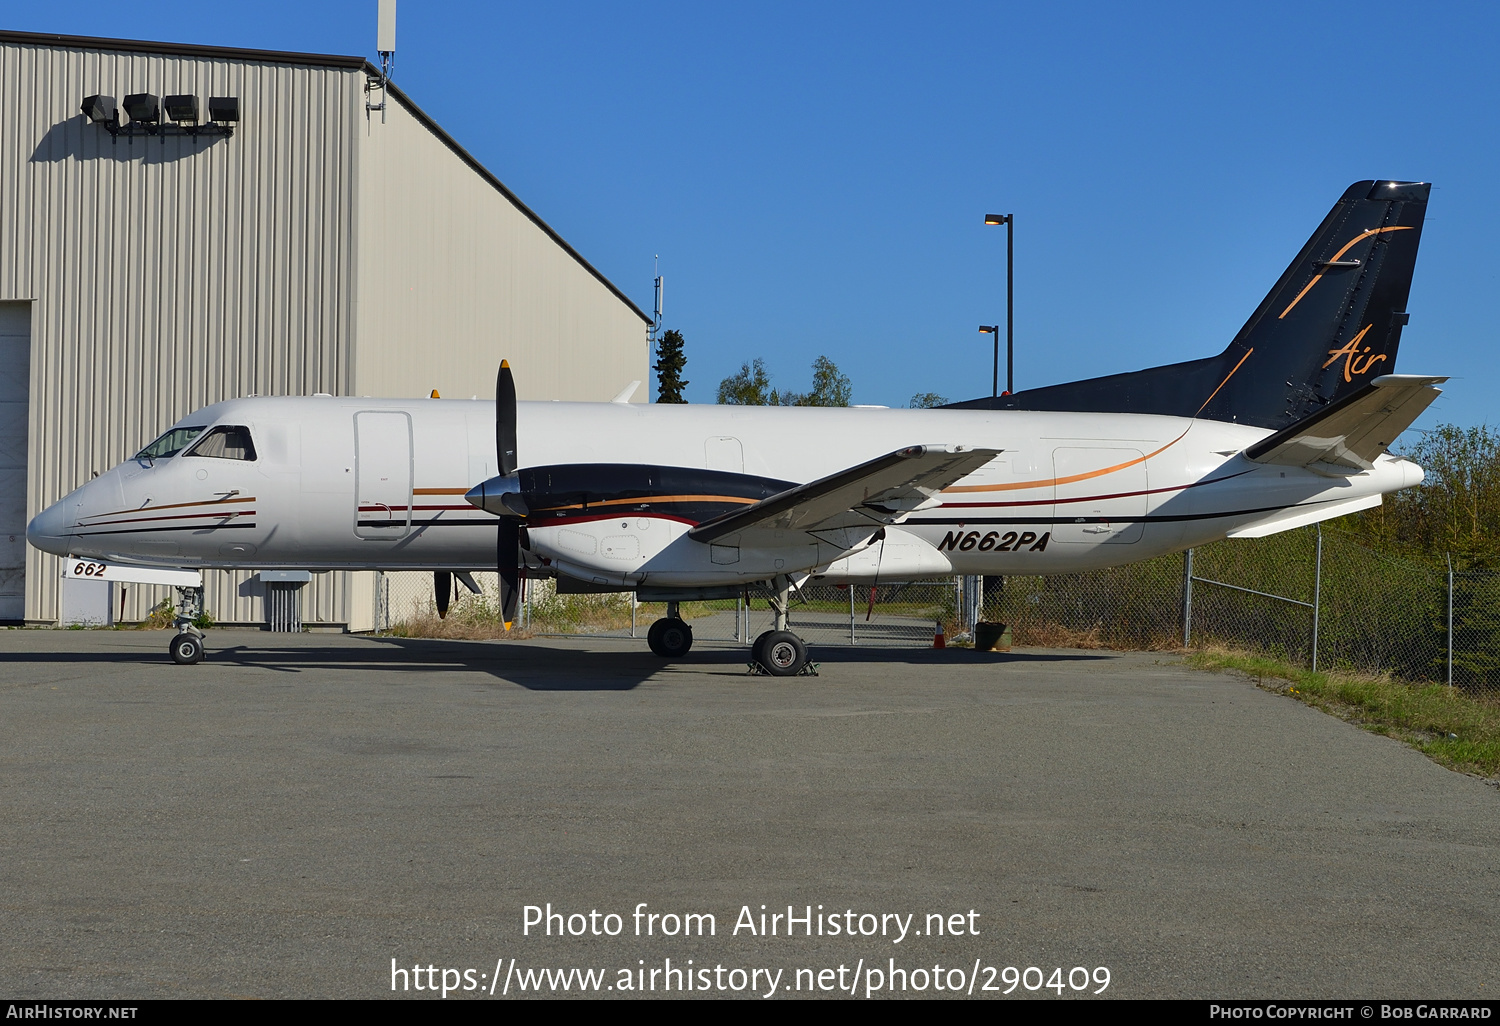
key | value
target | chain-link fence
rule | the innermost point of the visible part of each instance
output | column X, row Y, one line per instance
column 1311, row 596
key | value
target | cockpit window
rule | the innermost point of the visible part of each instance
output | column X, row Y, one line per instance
column 225, row 443
column 170, row 444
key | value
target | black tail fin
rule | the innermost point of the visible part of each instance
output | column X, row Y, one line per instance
column 1332, row 322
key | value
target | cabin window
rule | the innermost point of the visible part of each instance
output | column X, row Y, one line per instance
column 170, row 444
column 225, row 443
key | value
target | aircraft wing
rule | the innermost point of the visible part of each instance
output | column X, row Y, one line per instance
column 882, row 491
column 1354, row 431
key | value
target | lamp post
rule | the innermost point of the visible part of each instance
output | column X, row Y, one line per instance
column 993, row 329
column 1009, row 220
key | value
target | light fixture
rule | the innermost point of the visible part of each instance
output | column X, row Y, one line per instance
column 995, row 218
column 143, row 108
column 162, row 116
column 994, row 329
column 182, row 109
column 223, row 109
column 100, row 109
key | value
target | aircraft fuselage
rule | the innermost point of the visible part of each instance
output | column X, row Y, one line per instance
column 350, row 483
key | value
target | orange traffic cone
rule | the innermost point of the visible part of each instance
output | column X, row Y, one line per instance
column 939, row 640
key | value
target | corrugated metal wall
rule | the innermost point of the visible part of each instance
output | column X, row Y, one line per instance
column 170, row 273
column 318, row 250
column 453, row 276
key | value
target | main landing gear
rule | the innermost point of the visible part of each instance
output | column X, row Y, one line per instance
column 778, row 651
column 670, row 637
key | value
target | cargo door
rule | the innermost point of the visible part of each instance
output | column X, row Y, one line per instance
column 383, row 473
column 724, row 452
column 1099, row 495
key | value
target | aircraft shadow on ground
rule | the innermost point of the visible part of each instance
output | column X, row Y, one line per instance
column 544, row 665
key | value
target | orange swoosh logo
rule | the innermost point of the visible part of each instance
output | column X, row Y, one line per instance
column 1368, row 233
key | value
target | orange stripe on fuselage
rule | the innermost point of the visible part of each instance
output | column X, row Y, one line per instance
column 1050, row 482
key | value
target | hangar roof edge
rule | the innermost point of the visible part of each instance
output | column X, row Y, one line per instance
column 345, row 61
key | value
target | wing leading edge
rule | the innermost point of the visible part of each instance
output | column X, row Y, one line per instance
column 871, row 495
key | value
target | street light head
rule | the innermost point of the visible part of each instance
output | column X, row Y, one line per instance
column 989, row 329
column 996, row 218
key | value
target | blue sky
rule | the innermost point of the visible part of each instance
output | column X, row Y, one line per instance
column 815, row 176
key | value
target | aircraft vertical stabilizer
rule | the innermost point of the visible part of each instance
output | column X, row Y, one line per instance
column 1330, row 325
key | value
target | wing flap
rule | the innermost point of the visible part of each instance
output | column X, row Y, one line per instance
column 873, row 494
column 1354, row 431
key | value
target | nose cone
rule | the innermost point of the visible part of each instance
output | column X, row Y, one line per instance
column 51, row 530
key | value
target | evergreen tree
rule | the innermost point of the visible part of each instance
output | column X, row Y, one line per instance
column 669, row 364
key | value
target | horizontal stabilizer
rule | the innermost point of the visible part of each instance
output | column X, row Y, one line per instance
column 882, row 491
column 1354, row 431
column 1301, row 516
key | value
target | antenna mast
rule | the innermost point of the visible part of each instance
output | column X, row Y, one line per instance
column 385, row 45
column 656, row 318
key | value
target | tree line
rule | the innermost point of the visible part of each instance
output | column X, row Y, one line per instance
column 1455, row 511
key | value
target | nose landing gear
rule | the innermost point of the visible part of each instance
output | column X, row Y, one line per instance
column 187, row 647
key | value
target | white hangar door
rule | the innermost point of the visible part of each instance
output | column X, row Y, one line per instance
column 15, row 387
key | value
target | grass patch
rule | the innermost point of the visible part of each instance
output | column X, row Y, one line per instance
column 1460, row 730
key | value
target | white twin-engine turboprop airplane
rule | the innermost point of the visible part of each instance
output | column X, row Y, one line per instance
column 1289, row 425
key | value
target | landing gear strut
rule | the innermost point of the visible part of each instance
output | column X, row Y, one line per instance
column 187, row 647
column 670, row 637
column 778, row 651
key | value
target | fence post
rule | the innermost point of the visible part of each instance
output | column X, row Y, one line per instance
column 1317, row 597
column 851, row 612
column 1187, row 598
column 1450, row 620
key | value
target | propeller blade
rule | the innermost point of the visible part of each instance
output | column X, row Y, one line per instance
column 505, row 420
column 507, row 560
column 442, row 584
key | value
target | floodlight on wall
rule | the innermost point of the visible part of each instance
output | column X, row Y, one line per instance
column 224, row 109
column 143, row 108
column 182, row 109
column 146, row 115
column 101, row 110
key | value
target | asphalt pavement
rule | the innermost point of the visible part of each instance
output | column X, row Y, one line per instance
column 314, row 815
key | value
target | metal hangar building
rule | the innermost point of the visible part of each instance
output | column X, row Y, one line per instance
column 186, row 224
